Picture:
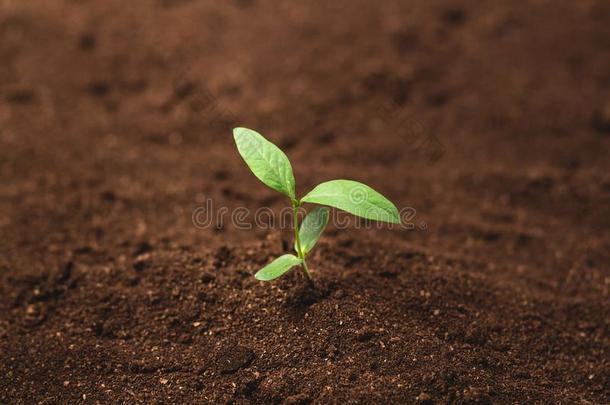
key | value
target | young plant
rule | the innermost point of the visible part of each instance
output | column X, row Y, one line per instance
column 273, row 168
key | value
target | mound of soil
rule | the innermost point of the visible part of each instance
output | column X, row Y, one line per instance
column 488, row 123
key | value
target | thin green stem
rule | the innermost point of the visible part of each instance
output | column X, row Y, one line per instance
column 304, row 267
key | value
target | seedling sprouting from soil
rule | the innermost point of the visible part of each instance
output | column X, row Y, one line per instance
column 273, row 168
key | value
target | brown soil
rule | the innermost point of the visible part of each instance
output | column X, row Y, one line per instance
column 491, row 120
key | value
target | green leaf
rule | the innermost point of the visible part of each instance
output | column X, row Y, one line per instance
column 277, row 267
column 311, row 228
column 266, row 160
column 355, row 198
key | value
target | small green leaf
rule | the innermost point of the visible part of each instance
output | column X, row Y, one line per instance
column 266, row 160
column 277, row 267
column 355, row 198
column 311, row 228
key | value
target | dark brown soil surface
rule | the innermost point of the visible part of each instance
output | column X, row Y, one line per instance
column 490, row 119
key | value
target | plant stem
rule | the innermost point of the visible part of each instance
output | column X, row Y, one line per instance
column 304, row 267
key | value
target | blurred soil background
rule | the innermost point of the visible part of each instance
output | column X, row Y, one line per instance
column 490, row 120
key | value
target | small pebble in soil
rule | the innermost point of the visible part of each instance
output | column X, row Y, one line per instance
column 365, row 335
column 425, row 399
column 34, row 315
column 140, row 264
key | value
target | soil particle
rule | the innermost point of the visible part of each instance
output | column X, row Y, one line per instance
column 35, row 314
column 473, row 395
column 234, row 358
column 207, row 278
column 299, row 399
column 141, row 264
column 365, row 335
column 424, row 399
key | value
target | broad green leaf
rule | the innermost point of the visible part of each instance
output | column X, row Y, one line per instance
column 277, row 267
column 355, row 198
column 266, row 160
column 311, row 228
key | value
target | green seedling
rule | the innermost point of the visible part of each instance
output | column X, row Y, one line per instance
column 273, row 168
